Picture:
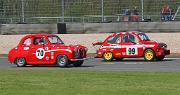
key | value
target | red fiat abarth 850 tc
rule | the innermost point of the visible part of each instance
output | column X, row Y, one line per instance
column 131, row 45
column 39, row 49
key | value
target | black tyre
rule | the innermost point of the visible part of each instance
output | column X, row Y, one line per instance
column 62, row 61
column 20, row 62
column 108, row 56
column 149, row 55
column 160, row 58
column 77, row 63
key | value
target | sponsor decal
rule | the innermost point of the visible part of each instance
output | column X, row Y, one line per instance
column 118, row 54
column 123, row 53
column 47, row 58
column 46, row 48
column 26, row 48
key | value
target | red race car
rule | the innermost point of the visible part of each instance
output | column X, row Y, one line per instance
column 131, row 44
column 39, row 49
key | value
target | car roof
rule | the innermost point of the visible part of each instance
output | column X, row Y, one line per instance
column 127, row 32
column 39, row 35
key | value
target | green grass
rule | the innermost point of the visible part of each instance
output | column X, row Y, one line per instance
column 84, row 82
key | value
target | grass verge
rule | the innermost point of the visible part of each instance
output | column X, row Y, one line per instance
column 84, row 82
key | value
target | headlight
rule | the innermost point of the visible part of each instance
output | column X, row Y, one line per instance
column 162, row 45
column 86, row 49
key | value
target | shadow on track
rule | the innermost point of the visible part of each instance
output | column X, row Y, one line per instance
column 139, row 60
column 54, row 66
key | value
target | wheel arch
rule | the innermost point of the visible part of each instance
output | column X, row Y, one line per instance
column 150, row 49
column 61, row 54
column 14, row 60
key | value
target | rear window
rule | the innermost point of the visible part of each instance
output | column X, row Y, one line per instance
column 114, row 39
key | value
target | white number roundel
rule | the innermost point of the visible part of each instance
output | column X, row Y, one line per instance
column 131, row 51
column 40, row 53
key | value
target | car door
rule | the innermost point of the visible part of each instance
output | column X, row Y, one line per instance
column 38, row 53
column 130, row 48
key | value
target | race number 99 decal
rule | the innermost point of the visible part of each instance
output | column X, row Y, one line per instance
column 40, row 53
column 131, row 51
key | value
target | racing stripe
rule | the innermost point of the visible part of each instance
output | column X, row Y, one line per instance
column 125, row 46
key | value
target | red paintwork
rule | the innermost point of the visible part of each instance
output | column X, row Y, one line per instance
column 51, row 51
column 119, row 50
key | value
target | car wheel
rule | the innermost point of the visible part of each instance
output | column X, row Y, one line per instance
column 108, row 56
column 62, row 61
column 149, row 55
column 77, row 63
column 160, row 58
column 119, row 59
column 20, row 62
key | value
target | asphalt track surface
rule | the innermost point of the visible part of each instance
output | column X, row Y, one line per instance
column 169, row 64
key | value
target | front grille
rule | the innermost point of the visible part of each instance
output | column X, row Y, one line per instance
column 82, row 53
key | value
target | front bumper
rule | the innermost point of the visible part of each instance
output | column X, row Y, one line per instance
column 167, row 52
column 163, row 52
column 78, row 59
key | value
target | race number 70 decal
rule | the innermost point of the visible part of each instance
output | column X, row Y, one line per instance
column 131, row 51
column 40, row 53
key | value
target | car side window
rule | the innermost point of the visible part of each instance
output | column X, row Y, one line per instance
column 114, row 39
column 130, row 38
column 118, row 39
column 125, row 38
column 27, row 42
column 133, row 38
column 39, row 41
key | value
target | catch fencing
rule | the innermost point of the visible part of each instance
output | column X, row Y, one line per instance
column 82, row 11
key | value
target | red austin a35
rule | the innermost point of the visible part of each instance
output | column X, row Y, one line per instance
column 131, row 44
column 39, row 49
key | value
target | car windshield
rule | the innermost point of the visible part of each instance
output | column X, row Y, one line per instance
column 55, row 40
column 143, row 37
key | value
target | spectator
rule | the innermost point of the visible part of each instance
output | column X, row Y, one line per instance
column 167, row 13
column 135, row 15
column 126, row 15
